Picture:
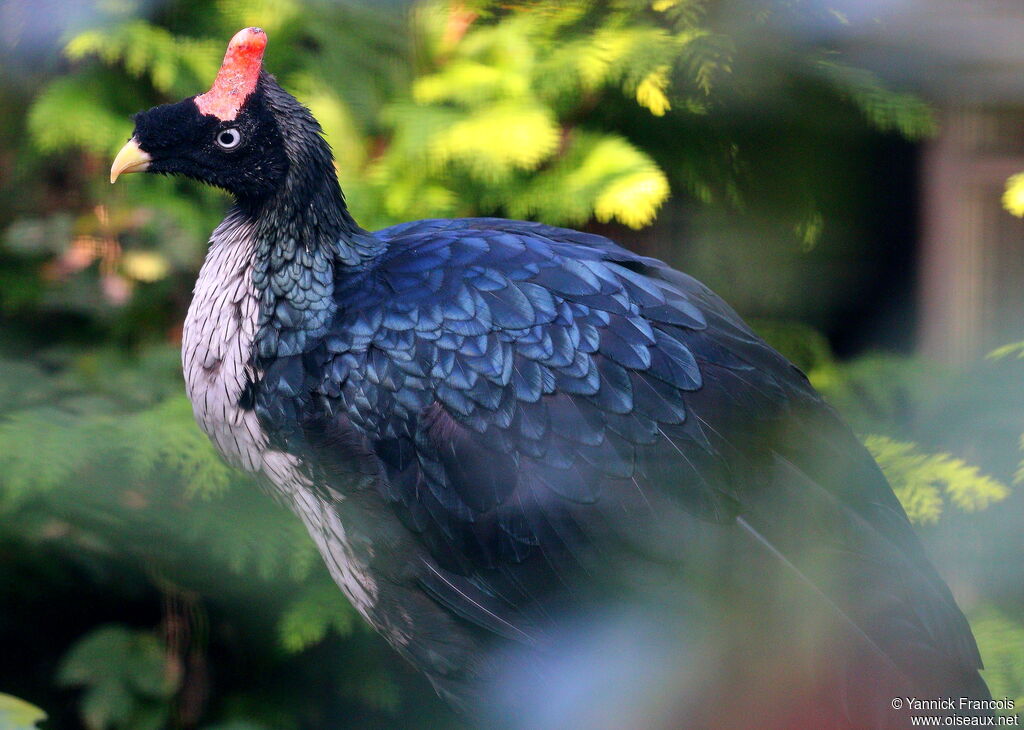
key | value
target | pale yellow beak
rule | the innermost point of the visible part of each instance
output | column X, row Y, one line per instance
column 131, row 158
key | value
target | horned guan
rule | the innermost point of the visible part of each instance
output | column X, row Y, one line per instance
column 506, row 437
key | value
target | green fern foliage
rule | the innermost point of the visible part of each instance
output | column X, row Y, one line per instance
column 491, row 118
column 1013, row 349
column 43, row 448
column 263, row 540
column 925, row 482
column 1000, row 639
column 106, row 446
column 173, row 65
column 886, row 109
column 599, row 175
column 318, row 609
column 1018, row 476
column 515, row 82
column 127, row 678
column 172, row 443
column 880, row 392
column 96, row 124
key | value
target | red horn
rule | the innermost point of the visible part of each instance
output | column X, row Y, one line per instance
column 237, row 76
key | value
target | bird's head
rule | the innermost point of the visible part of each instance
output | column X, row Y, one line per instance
column 242, row 135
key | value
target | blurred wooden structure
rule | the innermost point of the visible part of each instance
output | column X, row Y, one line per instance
column 967, row 57
column 971, row 286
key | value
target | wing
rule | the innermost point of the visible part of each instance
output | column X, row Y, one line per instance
column 552, row 413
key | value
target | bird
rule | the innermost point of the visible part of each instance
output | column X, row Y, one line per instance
column 508, row 438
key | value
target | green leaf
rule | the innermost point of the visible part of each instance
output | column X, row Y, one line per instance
column 650, row 93
column 1018, row 476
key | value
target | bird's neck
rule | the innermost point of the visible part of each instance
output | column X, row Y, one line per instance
column 304, row 239
column 310, row 211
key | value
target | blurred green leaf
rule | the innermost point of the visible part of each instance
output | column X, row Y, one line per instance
column 317, row 610
column 16, row 714
column 1014, row 349
column 127, row 677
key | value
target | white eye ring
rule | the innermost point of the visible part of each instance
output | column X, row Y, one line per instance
column 229, row 138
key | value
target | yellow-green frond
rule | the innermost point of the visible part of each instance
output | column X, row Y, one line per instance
column 470, row 83
column 633, row 200
column 1014, row 349
column 1013, row 197
column 923, row 482
column 493, row 142
column 635, row 186
column 16, row 714
column 884, row 108
column 651, row 92
column 172, row 64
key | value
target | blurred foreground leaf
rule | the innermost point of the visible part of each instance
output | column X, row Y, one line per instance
column 1014, row 349
column 16, row 714
column 127, row 678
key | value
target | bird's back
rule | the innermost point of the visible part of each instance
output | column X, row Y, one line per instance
column 554, row 427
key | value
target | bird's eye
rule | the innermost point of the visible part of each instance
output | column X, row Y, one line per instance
column 228, row 139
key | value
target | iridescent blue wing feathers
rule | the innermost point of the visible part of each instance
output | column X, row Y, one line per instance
column 534, row 395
